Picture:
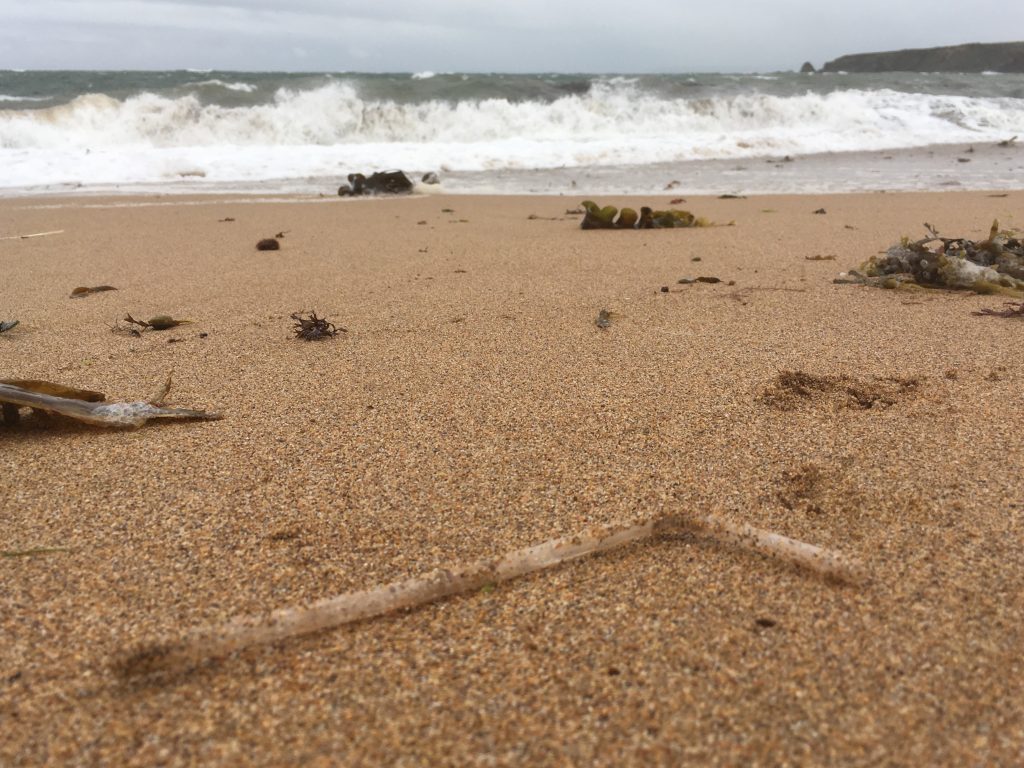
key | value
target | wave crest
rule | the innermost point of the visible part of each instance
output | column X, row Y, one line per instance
column 721, row 126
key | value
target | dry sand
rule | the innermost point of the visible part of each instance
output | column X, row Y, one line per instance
column 473, row 407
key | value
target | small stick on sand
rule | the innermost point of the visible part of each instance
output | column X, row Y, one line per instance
column 37, row 234
column 284, row 623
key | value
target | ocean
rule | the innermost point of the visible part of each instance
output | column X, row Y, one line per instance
column 269, row 132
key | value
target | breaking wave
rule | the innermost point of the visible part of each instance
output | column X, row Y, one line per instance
column 331, row 127
column 7, row 97
column 241, row 87
column 724, row 126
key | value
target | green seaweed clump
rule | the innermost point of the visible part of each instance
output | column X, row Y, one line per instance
column 627, row 219
column 993, row 265
column 670, row 219
column 596, row 217
column 604, row 218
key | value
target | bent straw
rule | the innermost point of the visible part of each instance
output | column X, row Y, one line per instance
column 826, row 562
column 284, row 623
column 34, row 234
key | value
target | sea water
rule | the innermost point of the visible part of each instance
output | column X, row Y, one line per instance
column 192, row 131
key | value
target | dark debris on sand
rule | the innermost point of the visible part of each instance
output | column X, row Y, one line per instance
column 313, row 328
column 1013, row 310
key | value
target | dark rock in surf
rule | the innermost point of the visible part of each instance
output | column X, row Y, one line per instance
column 378, row 183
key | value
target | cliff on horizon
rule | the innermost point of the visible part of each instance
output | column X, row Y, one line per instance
column 971, row 57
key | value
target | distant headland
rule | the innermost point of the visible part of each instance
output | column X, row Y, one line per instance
column 971, row 57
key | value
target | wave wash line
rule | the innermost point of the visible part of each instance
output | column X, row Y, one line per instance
column 221, row 640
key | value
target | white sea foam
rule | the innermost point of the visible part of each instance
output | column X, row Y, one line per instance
column 243, row 87
column 5, row 97
column 424, row 75
column 331, row 130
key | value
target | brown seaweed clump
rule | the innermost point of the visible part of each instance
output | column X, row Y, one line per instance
column 83, row 291
column 268, row 244
column 313, row 328
column 993, row 265
column 793, row 389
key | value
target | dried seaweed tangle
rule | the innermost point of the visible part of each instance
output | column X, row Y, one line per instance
column 993, row 265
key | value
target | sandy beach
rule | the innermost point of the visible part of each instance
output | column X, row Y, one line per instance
column 472, row 406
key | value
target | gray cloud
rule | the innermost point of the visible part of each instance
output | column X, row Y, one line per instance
column 469, row 35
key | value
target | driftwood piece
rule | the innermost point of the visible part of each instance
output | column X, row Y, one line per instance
column 284, row 623
column 88, row 407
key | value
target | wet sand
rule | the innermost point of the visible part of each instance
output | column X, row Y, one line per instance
column 473, row 407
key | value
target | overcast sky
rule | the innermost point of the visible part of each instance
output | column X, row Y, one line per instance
column 482, row 35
